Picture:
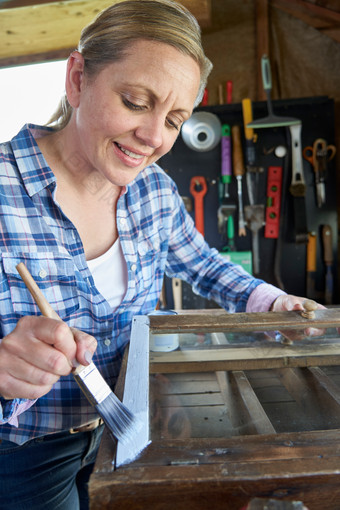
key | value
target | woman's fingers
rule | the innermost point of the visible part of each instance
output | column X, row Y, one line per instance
column 86, row 347
column 286, row 303
column 37, row 353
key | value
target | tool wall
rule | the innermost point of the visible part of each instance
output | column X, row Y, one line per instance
column 297, row 235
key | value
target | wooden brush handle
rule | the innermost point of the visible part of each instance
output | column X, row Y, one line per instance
column 44, row 306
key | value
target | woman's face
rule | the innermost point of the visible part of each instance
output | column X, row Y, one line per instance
column 130, row 114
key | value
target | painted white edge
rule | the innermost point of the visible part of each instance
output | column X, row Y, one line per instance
column 136, row 390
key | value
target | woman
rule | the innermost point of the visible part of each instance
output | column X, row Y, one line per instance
column 97, row 223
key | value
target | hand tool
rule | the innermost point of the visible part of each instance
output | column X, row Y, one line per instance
column 249, row 136
column 297, row 187
column 250, row 152
column 202, row 131
column 318, row 155
column 311, row 267
column 198, row 189
column 119, row 420
column 226, row 159
column 229, row 91
column 279, row 241
column 298, row 183
column 177, row 293
column 205, row 98
column 238, row 167
column 230, row 235
column 327, row 240
column 229, row 251
column 271, row 120
column 274, row 186
column 254, row 215
column 224, row 212
column 220, row 94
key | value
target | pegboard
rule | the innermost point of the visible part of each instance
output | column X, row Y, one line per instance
column 282, row 260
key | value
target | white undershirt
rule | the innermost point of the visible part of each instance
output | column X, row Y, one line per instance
column 110, row 275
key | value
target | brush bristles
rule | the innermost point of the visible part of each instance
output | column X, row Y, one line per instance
column 117, row 417
column 120, row 421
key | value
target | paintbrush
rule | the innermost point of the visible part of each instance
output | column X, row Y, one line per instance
column 119, row 420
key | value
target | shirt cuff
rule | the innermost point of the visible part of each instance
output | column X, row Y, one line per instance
column 11, row 409
column 262, row 298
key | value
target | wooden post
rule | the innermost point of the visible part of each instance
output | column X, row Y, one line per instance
column 262, row 43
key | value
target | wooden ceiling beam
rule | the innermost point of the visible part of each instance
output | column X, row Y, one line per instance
column 324, row 19
column 54, row 28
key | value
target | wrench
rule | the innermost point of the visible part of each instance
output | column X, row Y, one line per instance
column 198, row 188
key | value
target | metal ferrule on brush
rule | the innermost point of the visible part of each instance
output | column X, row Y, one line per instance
column 92, row 383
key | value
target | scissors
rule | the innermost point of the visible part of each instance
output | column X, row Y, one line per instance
column 318, row 156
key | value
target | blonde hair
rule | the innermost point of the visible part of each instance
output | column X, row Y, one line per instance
column 108, row 37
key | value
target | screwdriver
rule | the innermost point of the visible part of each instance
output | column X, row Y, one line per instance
column 226, row 159
column 238, row 167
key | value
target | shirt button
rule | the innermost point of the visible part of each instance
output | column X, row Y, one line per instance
column 42, row 273
column 133, row 267
column 107, row 341
column 122, row 222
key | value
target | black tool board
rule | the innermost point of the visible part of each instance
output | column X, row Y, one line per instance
column 284, row 254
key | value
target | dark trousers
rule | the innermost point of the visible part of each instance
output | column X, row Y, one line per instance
column 49, row 472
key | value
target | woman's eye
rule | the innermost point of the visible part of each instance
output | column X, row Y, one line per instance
column 132, row 106
column 174, row 124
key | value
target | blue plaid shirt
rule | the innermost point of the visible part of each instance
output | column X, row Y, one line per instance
column 157, row 235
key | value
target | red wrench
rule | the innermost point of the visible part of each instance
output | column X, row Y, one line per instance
column 198, row 188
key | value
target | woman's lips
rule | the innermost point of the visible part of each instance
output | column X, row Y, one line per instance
column 127, row 156
column 130, row 153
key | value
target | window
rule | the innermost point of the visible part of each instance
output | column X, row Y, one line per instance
column 29, row 94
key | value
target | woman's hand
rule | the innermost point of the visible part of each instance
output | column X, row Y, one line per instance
column 37, row 353
column 287, row 303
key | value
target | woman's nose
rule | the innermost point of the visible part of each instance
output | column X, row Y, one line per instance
column 150, row 131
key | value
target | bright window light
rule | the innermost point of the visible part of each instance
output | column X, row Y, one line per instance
column 29, row 94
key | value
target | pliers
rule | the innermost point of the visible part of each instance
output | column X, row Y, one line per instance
column 318, row 156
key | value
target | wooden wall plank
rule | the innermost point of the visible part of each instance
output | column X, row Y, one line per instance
column 39, row 29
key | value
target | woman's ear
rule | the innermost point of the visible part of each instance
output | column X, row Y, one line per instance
column 74, row 78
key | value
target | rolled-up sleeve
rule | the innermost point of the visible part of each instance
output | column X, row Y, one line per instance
column 262, row 298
